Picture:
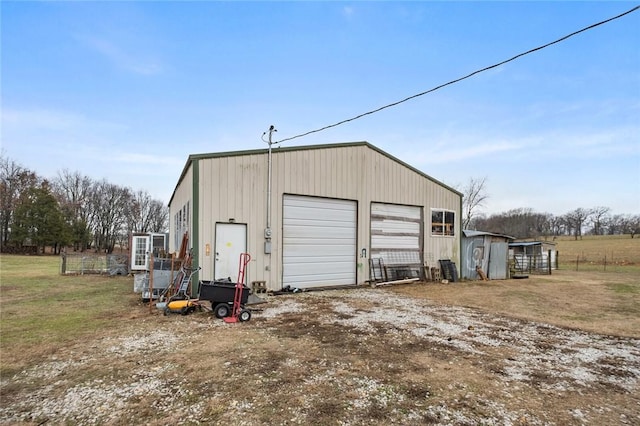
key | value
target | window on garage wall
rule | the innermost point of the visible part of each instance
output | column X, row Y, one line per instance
column 181, row 224
column 442, row 222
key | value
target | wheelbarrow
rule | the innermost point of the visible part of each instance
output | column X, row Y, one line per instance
column 221, row 295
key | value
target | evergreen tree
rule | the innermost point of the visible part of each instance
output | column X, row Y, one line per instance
column 39, row 220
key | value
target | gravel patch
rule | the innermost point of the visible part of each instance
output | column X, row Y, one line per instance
column 553, row 361
column 571, row 358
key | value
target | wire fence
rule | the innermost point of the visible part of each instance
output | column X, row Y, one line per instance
column 101, row 264
column 606, row 262
column 541, row 264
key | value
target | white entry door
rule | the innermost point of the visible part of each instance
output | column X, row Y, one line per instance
column 139, row 252
column 231, row 241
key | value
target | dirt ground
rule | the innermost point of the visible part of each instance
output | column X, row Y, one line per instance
column 419, row 354
column 600, row 302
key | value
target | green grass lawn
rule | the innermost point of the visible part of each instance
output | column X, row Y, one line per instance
column 40, row 310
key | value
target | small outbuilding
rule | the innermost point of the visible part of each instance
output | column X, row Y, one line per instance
column 312, row 216
column 485, row 252
column 533, row 256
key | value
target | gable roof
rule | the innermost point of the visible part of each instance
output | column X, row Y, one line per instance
column 279, row 149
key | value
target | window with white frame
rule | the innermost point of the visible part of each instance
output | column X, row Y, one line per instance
column 443, row 222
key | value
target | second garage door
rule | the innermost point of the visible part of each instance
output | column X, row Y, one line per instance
column 319, row 242
column 396, row 239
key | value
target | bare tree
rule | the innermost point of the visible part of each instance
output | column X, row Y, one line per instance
column 159, row 217
column 146, row 214
column 519, row 223
column 540, row 224
column 599, row 216
column 474, row 196
column 615, row 224
column 73, row 191
column 631, row 224
column 576, row 220
column 109, row 203
column 138, row 212
column 14, row 181
column 556, row 225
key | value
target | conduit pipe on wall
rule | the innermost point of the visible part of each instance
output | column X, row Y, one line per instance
column 267, row 231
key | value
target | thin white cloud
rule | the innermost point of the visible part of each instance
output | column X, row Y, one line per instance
column 41, row 119
column 586, row 143
column 445, row 152
column 570, row 143
column 348, row 11
column 135, row 62
column 599, row 109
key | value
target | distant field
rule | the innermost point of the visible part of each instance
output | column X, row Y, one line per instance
column 615, row 252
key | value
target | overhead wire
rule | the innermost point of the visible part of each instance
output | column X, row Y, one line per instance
column 535, row 49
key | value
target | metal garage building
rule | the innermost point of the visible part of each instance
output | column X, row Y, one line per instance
column 332, row 209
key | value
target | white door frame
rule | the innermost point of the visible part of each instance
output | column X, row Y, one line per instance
column 231, row 241
column 139, row 253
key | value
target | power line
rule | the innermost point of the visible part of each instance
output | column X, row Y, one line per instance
column 463, row 78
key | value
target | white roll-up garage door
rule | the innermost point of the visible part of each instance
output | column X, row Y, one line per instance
column 319, row 242
column 396, row 235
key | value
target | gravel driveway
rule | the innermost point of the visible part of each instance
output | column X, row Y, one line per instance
column 364, row 356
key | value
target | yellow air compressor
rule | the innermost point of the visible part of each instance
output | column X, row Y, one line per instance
column 183, row 307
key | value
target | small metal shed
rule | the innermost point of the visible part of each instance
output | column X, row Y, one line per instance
column 485, row 250
column 533, row 256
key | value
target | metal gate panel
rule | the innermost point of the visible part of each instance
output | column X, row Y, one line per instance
column 319, row 242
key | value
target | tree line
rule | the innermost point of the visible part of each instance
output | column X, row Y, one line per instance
column 71, row 210
column 524, row 223
column 527, row 223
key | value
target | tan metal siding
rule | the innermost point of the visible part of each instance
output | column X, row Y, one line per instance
column 235, row 187
column 365, row 175
column 181, row 196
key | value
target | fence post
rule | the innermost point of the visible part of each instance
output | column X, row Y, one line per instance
column 577, row 261
column 150, row 282
column 533, row 264
column 549, row 261
column 64, row 263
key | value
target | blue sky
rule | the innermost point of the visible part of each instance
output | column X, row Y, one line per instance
column 127, row 90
